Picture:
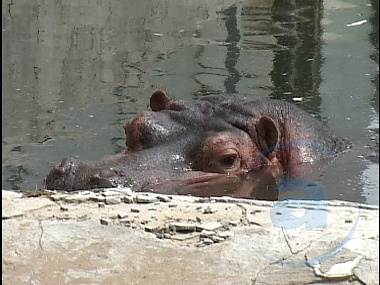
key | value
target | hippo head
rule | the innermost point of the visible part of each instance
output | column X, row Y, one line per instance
column 220, row 145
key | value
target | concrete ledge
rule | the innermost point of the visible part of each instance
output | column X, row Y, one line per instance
column 121, row 237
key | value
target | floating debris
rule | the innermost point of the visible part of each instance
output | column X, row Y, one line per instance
column 358, row 23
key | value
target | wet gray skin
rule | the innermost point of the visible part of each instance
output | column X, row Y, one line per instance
column 221, row 145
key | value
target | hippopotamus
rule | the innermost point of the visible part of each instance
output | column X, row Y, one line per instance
column 220, row 145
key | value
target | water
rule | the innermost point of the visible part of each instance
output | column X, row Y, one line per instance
column 73, row 72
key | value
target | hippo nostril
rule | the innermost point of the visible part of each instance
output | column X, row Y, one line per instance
column 65, row 162
column 59, row 169
column 103, row 174
column 107, row 173
column 95, row 177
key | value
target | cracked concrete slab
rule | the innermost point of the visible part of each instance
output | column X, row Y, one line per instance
column 367, row 271
column 13, row 205
column 77, row 238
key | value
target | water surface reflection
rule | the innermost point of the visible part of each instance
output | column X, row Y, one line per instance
column 73, row 72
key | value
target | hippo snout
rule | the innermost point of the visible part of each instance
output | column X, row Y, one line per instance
column 62, row 176
column 72, row 174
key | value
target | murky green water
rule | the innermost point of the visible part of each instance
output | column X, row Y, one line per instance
column 74, row 71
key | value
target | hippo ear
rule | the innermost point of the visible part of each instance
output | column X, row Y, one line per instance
column 267, row 134
column 159, row 100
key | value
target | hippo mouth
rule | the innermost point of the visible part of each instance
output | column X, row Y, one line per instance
column 257, row 184
column 74, row 175
column 196, row 183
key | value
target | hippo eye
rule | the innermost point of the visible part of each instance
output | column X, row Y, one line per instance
column 221, row 153
column 229, row 161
